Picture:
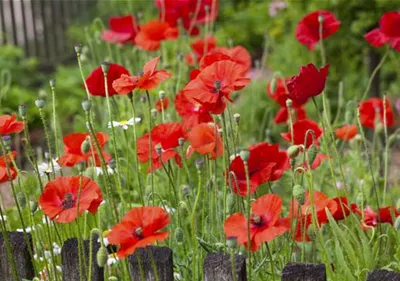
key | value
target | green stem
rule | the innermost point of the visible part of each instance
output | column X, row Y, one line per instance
column 246, row 168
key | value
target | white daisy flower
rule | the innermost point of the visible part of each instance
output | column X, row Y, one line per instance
column 46, row 168
column 125, row 123
column 99, row 170
column 112, row 259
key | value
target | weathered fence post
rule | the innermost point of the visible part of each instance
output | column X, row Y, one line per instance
column 70, row 260
column 218, row 267
column 383, row 275
column 22, row 257
column 147, row 261
column 304, row 272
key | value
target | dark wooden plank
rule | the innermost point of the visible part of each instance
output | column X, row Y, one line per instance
column 20, row 249
column 13, row 23
column 24, row 27
column 45, row 31
column 70, row 260
column 35, row 33
column 304, row 272
column 150, row 258
column 3, row 35
column 383, row 275
column 218, row 267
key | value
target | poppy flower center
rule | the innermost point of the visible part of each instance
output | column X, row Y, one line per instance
column 68, row 201
column 217, row 86
column 140, row 73
column 138, row 232
column 257, row 220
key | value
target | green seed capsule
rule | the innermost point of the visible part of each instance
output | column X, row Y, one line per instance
column 299, row 193
column 179, row 235
column 102, row 256
column 112, row 278
column 312, row 153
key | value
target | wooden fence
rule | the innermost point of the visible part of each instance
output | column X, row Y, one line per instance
column 144, row 262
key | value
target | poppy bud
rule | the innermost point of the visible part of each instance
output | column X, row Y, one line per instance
column 105, row 66
column 312, row 153
column 183, row 207
column 112, row 278
column 186, row 190
column 397, row 223
column 22, row 111
column 312, row 232
column 158, row 149
column 293, row 151
column 272, row 86
column 102, row 257
column 7, row 141
column 85, row 146
column 179, row 235
column 33, row 206
column 181, row 141
column 236, row 117
column 245, row 155
column 161, row 94
column 78, row 49
column 320, row 18
column 360, row 199
column 81, row 167
column 21, row 198
column 289, row 103
column 299, row 194
column 52, row 82
column 230, row 202
column 199, row 164
column 86, row 105
column 154, row 113
column 231, row 242
column 40, row 103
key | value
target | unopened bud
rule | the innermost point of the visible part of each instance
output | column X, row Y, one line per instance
column 293, row 151
column 102, row 257
column 22, row 111
column 161, row 94
column 299, row 193
column 183, row 208
column 245, row 155
column 78, row 49
column 230, row 202
column 236, row 117
column 105, row 66
column 40, row 103
column 179, row 235
column 81, row 167
column 86, row 105
column 7, row 141
column 112, row 278
column 312, row 232
column 52, row 82
column 85, row 146
column 312, row 153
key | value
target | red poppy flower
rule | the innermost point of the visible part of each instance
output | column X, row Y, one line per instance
column 282, row 116
column 146, row 80
column 388, row 31
column 308, row 29
column 152, row 33
column 342, row 210
column 346, row 132
column 310, row 82
column 265, row 222
column 191, row 112
column 60, row 197
column 164, row 136
column 238, row 54
column 266, row 163
column 185, row 10
column 200, row 47
column 95, row 80
column 162, row 104
column 300, row 129
column 9, row 125
column 4, row 176
column 371, row 111
column 140, row 227
column 73, row 152
column 205, row 140
column 372, row 218
column 214, row 84
column 122, row 30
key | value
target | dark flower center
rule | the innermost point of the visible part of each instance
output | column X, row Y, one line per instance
column 68, row 201
column 217, row 86
column 257, row 220
column 140, row 73
column 138, row 232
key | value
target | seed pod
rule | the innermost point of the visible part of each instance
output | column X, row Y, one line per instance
column 40, row 103
column 52, row 82
column 236, row 117
column 312, row 232
column 85, row 146
column 102, row 256
column 78, row 49
column 293, row 151
column 179, row 235
column 161, row 95
column 245, row 155
column 299, row 193
column 312, row 153
column 230, row 203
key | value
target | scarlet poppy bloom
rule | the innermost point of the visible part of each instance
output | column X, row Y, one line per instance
column 192, row 113
column 60, row 198
column 387, row 33
column 346, row 132
column 282, row 116
column 265, row 223
column 9, row 125
column 204, row 139
column 140, row 227
column 300, row 129
column 308, row 29
column 214, row 84
column 163, row 137
column 238, row 54
column 95, row 80
column 200, row 47
column 343, row 209
column 372, row 218
column 146, row 80
column 186, row 10
column 4, row 176
column 122, row 30
column 152, row 33
column 310, row 82
column 73, row 152
column 162, row 104
column 266, row 163
column 372, row 111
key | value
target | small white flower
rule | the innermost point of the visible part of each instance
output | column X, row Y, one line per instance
column 46, row 168
column 5, row 218
column 99, row 170
column 169, row 210
column 177, row 276
column 125, row 123
column 112, row 259
column 27, row 229
column 59, row 268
